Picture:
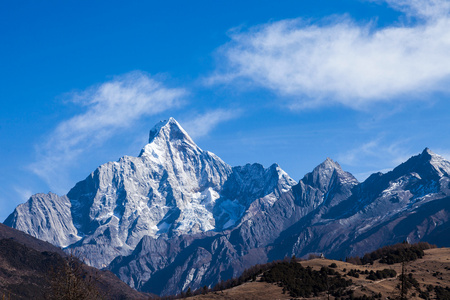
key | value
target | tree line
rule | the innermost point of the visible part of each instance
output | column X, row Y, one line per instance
column 393, row 254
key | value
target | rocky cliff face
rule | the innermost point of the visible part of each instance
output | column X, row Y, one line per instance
column 177, row 216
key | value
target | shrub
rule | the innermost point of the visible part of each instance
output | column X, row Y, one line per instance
column 393, row 254
column 304, row 282
column 386, row 273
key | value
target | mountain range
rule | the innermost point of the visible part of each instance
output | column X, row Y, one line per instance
column 177, row 216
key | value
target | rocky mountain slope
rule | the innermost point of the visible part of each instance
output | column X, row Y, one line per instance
column 409, row 203
column 177, row 216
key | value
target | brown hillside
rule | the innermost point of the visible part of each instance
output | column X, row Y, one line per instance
column 28, row 266
column 432, row 269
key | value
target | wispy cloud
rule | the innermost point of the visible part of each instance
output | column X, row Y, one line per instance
column 109, row 107
column 338, row 61
column 425, row 9
column 202, row 124
column 23, row 193
column 377, row 155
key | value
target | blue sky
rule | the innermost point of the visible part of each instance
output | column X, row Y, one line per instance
column 365, row 83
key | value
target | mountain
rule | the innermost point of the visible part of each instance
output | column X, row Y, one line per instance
column 411, row 202
column 170, row 188
column 177, row 216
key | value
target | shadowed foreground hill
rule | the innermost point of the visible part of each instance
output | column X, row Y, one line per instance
column 30, row 269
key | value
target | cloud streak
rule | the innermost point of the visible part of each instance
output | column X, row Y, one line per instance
column 376, row 155
column 424, row 9
column 341, row 62
column 109, row 108
column 374, row 151
column 204, row 123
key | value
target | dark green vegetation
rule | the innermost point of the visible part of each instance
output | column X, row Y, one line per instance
column 402, row 252
column 32, row 269
column 289, row 274
column 386, row 273
column 354, row 273
column 442, row 293
column 305, row 282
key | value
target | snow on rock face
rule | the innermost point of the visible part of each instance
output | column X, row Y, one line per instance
column 244, row 186
column 441, row 165
column 171, row 187
column 327, row 182
column 46, row 216
column 384, row 209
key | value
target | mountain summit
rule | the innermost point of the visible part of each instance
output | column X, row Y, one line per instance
column 169, row 130
column 322, row 175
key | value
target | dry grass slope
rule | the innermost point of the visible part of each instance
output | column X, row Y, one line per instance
column 432, row 269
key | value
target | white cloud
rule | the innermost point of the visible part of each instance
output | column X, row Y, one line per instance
column 341, row 62
column 201, row 125
column 110, row 107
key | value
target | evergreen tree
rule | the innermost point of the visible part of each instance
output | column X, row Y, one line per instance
column 188, row 292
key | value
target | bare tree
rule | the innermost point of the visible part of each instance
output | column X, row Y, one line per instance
column 402, row 288
column 73, row 281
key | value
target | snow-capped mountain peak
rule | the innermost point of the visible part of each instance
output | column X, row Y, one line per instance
column 439, row 163
column 170, row 188
column 322, row 175
column 426, row 164
column 168, row 136
column 169, row 130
